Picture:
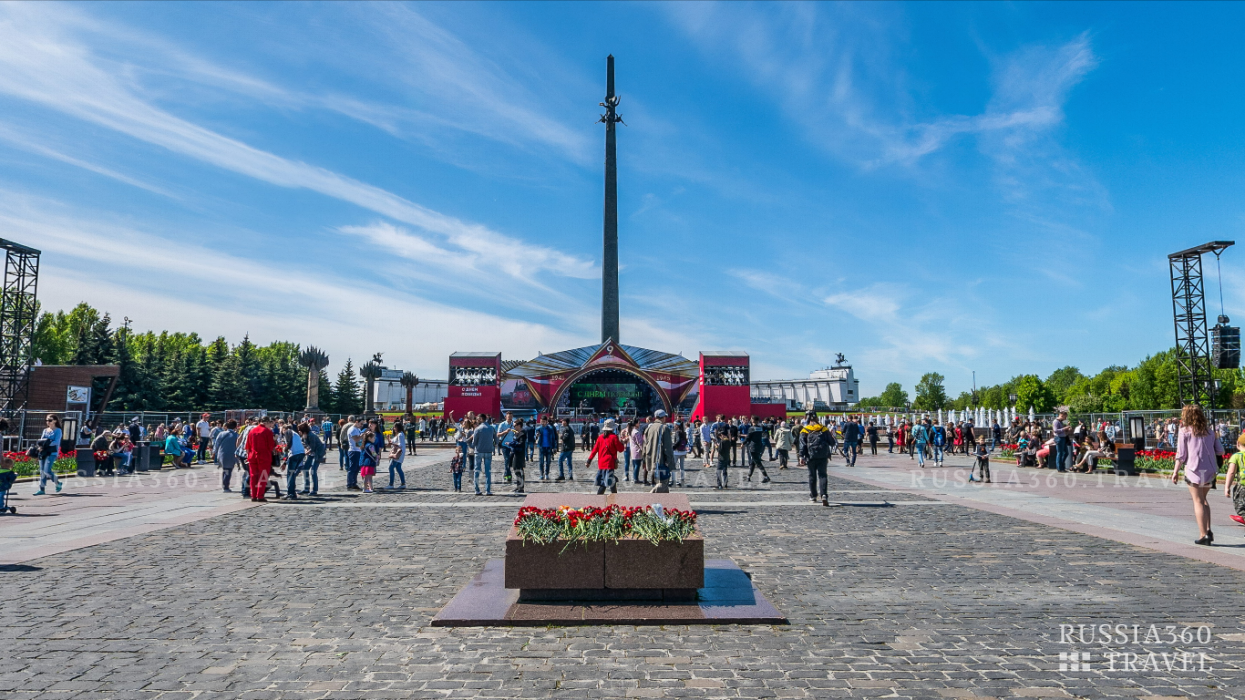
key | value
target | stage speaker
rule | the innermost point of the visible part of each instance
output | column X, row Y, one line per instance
column 1225, row 345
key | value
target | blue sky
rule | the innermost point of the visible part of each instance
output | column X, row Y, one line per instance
column 924, row 187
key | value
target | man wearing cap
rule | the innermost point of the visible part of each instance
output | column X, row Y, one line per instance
column 606, row 450
column 659, row 451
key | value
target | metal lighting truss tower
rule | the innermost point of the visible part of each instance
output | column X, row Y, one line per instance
column 1195, row 380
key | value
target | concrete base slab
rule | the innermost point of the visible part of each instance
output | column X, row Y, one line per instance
column 728, row 597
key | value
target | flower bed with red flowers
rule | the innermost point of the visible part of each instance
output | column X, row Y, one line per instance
column 1008, row 451
column 610, row 524
column 1156, row 460
column 25, row 466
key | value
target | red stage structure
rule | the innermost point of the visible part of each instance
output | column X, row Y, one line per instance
column 603, row 379
column 725, row 386
column 474, row 384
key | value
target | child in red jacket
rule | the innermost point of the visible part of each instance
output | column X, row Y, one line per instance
column 606, row 451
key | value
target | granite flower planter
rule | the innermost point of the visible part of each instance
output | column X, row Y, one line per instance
column 629, row 569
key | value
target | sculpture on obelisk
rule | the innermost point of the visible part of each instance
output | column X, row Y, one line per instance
column 609, row 260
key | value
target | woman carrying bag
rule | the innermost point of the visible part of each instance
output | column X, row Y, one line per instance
column 49, row 447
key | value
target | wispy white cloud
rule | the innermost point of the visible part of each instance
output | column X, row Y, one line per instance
column 876, row 305
column 831, row 69
column 424, row 77
column 464, row 87
column 42, row 63
column 768, row 282
column 221, row 293
column 467, row 262
column 28, row 142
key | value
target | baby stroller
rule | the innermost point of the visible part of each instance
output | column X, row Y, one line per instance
column 8, row 477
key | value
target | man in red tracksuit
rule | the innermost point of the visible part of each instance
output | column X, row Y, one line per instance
column 260, row 445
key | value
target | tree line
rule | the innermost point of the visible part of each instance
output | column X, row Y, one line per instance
column 1151, row 385
column 180, row 372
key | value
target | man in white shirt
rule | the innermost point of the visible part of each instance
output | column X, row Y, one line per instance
column 354, row 437
column 706, row 436
column 204, row 428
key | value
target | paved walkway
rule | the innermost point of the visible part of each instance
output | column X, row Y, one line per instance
column 90, row 511
column 1143, row 510
column 316, row 601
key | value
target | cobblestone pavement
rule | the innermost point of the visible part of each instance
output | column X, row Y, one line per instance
column 927, row 600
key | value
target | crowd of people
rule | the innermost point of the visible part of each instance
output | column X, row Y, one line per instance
column 651, row 452
column 654, row 451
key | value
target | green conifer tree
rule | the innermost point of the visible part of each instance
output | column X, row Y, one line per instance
column 346, row 391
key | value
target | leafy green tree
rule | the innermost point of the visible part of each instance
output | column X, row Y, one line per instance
column 1061, row 380
column 931, row 395
column 961, row 402
column 52, row 343
column 893, row 396
column 1031, row 392
column 994, row 397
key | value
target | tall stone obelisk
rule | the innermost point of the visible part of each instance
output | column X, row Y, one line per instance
column 609, row 258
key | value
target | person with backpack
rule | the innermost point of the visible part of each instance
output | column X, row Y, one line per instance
column 816, row 446
column 938, row 438
column 920, row 438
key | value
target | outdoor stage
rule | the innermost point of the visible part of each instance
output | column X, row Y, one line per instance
column 604, row 379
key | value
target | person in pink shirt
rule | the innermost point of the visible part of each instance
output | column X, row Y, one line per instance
column 1197, row 450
